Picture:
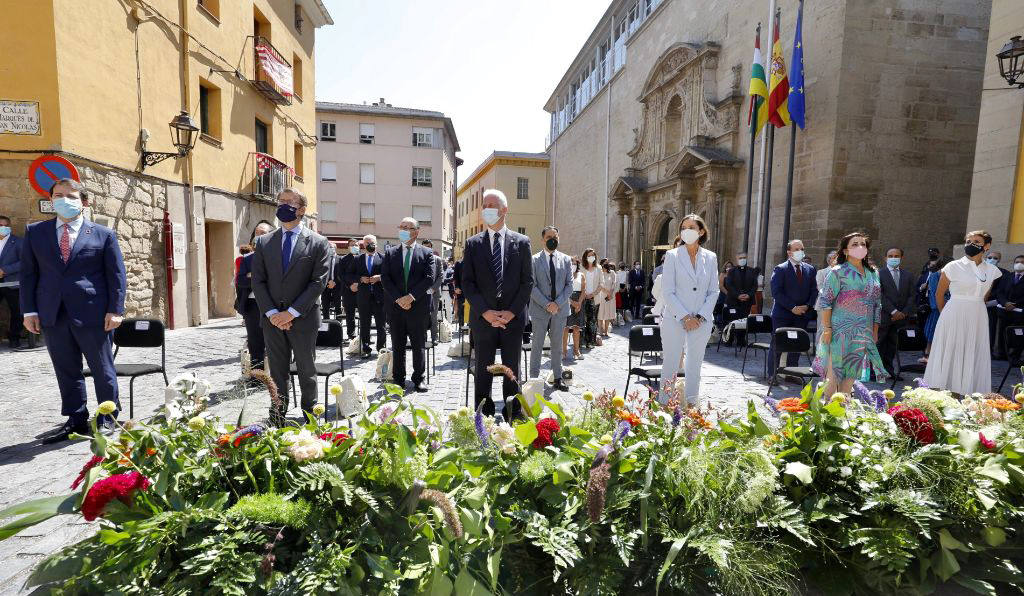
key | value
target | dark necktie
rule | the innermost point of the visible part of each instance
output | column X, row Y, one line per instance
column 496, row 261
column 286, row 251
column 1017, row 279
column 799, row 273
column 551, row 270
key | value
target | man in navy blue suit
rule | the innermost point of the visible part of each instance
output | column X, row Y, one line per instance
column 407, row 272
column 794, row 292
column 10, row 264
column 246, row 305
column 364, row 279
column 497, row 279
column 73, row 287
column 636, row 279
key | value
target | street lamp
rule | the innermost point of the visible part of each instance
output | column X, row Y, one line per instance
column 183, row 136
column 1011, row 61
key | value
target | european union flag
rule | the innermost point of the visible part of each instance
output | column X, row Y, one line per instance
column 796, row 75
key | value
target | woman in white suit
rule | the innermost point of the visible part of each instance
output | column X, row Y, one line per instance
column 690, row 289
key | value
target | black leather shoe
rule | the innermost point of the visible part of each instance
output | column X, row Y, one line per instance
column 421, row 387
column 560, row 385
column 367, row 353
column 65, row 433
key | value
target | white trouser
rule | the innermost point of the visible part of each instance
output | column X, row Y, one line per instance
column 676, row 340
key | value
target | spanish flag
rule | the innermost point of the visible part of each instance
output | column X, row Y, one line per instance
column 778, row 95
column 758, row 88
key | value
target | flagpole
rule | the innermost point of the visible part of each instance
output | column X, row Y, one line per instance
column 764, row 151
column 792, row 157
column 767, row 152
column 750, row 169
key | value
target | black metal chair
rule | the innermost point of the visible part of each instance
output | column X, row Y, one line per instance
column 330, row 335
column 138, row 333
column 651, row 319
column 757, row 325
column 644, row 339
column 730, row 312
column 908, row 339
column 791, row 339
column 1014, row 338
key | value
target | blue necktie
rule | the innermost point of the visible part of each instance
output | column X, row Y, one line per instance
column 496, row 261
column 286, row 251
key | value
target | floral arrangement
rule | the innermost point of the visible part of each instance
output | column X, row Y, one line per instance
column 847, row 494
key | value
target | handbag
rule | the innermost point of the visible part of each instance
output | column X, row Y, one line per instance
column 620, row 319
column 383, row 371
column 444, row 331
column 627, row 316
column 352, row 400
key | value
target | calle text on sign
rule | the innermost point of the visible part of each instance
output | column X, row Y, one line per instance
column 19, row 117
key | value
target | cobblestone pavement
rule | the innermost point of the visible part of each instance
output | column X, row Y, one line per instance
column 29, row 408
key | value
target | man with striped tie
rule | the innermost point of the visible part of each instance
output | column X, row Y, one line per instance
column 497, row 278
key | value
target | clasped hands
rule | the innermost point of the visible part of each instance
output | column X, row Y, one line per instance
column 799, row 310
column 690, row 322
column 282, row 320
column 405, row 302
column 551, row 308
column 498, row 318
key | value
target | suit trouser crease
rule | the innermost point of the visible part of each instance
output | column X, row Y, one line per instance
column 67, row 343
column 677, row 341
column 370, row 308
column 487, row 341
column 552, row 326
column 408, row 328
column 281, row 346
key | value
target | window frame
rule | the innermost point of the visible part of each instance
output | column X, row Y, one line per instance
column 334, row 129
column 370, row 139
column 428, row 133
column 373, row 213
column 324, row 206
column 424, row 181
column 334, row 165
column 423, row 222
column 373, row 173
column 522, row 188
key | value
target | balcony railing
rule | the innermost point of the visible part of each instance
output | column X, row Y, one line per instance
column 268, row 176
column 272, row 74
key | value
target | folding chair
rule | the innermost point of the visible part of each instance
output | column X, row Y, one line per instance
column 726, row 311
column 644, row 339
column 431, row 354
column 1014, row 337
column 756, row 325
column 138, row 333
column 791, row 339
column 651, row 319
column 330, row 335
column 908, row 339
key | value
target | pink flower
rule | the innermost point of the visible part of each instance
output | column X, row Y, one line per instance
column 986, row 443
column 93, row 461
column 118, row 486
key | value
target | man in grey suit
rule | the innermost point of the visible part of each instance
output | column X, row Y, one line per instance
column 435, row 290
column 898, row 304
column 549, row 303
column 289, row 273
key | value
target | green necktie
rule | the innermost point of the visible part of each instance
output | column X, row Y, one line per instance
column 405, row 268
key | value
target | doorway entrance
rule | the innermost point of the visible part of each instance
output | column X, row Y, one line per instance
column 220, row 269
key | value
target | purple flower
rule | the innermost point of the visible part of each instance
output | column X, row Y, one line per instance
column 435, row 445
column 773, row 405
column 872, row 398
column 621, row 432
column 480, row 430
column 921, row 384
column 677, row 417
column 254, row 429
column 692, row 435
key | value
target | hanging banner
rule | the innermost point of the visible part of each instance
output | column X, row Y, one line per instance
column 276, row 69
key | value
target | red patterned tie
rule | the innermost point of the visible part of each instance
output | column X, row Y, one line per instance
column 65, row 244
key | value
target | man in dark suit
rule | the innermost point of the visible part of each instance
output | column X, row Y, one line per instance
column 435, row 291
column 898, row 305
column 794, row 292
column 740, row 290
column 245, row 303
column 10, row 264
column 460, row 299
column 342, row 270
column 407, row 273
column 73, row 286
column 497, row 278
column 289, row 272
column 330, row 300
column 636, row 289
column 364, row 279
column 1010, row 298
column 992, row 306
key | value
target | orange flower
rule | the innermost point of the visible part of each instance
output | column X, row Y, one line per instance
column 224, row 439
column 1002, row 404
column 695, row 415
column 150, row 451
column 630, row 417
column 124, row 461
column 792, row 404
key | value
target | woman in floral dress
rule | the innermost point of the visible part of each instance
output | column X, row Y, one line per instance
column 850, row 301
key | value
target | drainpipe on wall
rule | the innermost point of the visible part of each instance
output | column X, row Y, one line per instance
column 607, row 156
column 190, row 202
column 169, row 267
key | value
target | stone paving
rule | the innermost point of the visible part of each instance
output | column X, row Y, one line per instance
column 29, row 408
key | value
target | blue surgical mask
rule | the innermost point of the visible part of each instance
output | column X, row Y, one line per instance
column 5, row 231
column 354, row 250
column 491, row 216
column 893, row 262
column 992, row 261
column 404, row 236
column 67, row 208
column 286, row 213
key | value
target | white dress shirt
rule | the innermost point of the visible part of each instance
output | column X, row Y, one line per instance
column 501, row 242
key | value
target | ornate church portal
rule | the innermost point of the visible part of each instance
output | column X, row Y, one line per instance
column 683, row 156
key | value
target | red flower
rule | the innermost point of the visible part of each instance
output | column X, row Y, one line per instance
column 913, row 423
column 238, row 440
column 986, row 443
column 336, row 438
column 118, row 486
column 85, row 470
column 545, row 428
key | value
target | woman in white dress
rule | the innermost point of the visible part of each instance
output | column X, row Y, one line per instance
column 690, row 289
column 591, row 290
column 575, row 320
column 606, row 299
column 960, row 360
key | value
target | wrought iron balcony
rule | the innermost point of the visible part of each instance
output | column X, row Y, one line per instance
column 268, row 175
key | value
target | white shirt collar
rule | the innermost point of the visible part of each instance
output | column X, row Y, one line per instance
column 294, row 230
column 501, row 232
column 74, row 224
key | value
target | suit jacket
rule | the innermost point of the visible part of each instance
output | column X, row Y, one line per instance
column 340, row 272
column 457, row 278
column 788, row 292
column 438, row 278
column 421, row 276
column 689, row 288
column 896, row 298
column 243, row 282
column 479, row 285
column 1010, row 290
column 91, row 284
column 741, row 280
column 299, row 287
column 635, row 280
column 358, row 269
column 10, row 260
column 540, row 296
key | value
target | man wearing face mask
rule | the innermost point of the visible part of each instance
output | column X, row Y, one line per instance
column 10, row 263
column 794, row 292
column 342, row 270
column 549, row 304
column 435, row 290
column 73, row 287
column 497, row 278
column 740, row 289
column 245, row 303
column 290, row 267
column 364, row 280
column 407, row 274
column 898, row 305
column 1009, row 294
column 635, row 281
column 992, row 258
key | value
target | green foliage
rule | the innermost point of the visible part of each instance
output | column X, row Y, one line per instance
column 272, row 510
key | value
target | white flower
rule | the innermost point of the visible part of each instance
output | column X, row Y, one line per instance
column 319, row 409
column 304, row 445
column 845, row 471
column 856, row 452
column 844, row 446
column 504, row 436
column 196, row 423
column 877, row 467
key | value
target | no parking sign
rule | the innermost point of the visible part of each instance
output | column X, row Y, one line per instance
column 44, row 171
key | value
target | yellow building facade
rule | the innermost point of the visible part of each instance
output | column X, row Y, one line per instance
column 525, row 180
column 98, row 83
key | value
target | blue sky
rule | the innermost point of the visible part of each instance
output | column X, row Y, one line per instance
column 490, row 65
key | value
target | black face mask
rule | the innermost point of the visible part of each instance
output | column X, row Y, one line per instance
column 973, row 250
column 371, row 247
column 551, row 243
column 286, row 213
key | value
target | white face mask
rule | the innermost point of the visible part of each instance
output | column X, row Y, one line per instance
column 798, row 255
column 689, row 235
column 742, row 262
column 591, row 259
column 1018, row 266
column 992, row 261
column 491, row 216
